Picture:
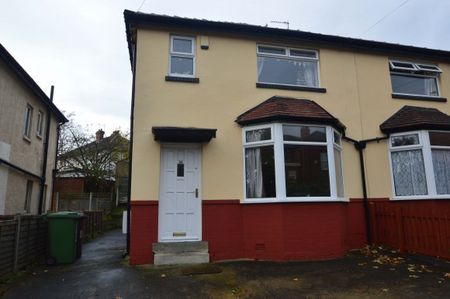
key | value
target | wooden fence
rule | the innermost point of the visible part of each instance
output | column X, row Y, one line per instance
column 422, row 227
column 92, row 224
column 84, row 202
column 23, row 240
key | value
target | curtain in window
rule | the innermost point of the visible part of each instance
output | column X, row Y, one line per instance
column 409, row 173
column 441, row 165
column 430, row 86
column 254, row 174
column 306, row 74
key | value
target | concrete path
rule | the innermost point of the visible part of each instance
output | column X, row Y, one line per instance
column 100, row 273
column 370, row 273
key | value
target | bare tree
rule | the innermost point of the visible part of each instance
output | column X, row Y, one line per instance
column 91, row 157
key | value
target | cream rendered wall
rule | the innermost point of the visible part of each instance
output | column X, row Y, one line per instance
column 358, row 94
column 27, row 154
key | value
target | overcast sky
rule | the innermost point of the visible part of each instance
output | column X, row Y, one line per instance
column 80, row 46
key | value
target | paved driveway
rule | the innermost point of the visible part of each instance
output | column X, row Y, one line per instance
column 102, row 273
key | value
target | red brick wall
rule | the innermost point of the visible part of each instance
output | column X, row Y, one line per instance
column 69, row 185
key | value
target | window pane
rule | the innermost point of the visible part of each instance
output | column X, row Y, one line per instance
column 337, row 138
column 414, row 85
column 339, row 175
column 287, row 71
column 270, row 50
column 260, row 172
column 181, row 65
column 303, row 53
column 440, row 138
column 409, row 173
column 403, row 140
column 182, row 45
column 306, row 170
column 304, row 133
column 407, row 65
column 441, row 166
column 258, row 135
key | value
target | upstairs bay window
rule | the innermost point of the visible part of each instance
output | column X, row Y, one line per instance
column 420, row 164
column 292, row 162
column 288, row 66
column 408, row 78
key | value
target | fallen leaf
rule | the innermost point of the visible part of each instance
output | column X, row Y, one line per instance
column 413, row 276
column 385, row 290
column 447, row 275
column 163, row 275
column 295, row 279
column 375, row 267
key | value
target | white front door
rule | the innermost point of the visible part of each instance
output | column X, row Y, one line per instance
column 180, row 201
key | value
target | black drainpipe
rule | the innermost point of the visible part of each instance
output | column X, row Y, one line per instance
column 360, row 146
column 55, row 166
column 46, row 143
column 130, row 153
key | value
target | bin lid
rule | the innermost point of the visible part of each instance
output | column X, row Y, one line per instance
column 65, row 214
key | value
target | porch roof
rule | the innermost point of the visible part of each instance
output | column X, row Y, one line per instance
column 183, row 134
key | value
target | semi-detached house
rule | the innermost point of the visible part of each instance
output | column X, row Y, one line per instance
column 269, row 143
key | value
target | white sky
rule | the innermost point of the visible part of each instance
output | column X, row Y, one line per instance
column 80, row 46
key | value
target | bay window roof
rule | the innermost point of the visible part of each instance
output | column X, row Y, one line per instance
column 284, row 109
column 411, row 118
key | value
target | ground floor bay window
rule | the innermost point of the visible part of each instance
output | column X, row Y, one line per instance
column 420, row 163
column 292, row 162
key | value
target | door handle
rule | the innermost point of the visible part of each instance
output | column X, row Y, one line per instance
column 196, row 192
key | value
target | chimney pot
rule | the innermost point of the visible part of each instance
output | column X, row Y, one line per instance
column 99, row 135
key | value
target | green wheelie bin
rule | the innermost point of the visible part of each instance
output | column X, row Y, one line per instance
column 64, row 237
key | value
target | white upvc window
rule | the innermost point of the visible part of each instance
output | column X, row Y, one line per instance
column 417, row 79
column 288, row 66
column 182, row 56
column 292, row 162
column 420, row 164
column 27, row 122
column 40, row 124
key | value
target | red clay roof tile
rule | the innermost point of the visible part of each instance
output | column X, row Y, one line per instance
column 414, row 118
column 288, row 109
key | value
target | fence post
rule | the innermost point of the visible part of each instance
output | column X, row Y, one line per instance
column 17, row 243
column 57, row 202
column 90, row 201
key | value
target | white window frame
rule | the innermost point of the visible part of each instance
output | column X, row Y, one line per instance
column 28, row 118
column 288, row 56
column 182, row 54
column 280, row 176
column 40, row 124
column 425, row 147
column 416, row 71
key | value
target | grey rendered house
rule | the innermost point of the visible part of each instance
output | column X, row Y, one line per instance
column 28, row 139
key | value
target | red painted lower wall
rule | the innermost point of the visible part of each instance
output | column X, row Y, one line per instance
column 286, row 231
column 143, row 231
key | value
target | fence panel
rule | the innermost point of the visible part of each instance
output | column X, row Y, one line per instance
column 85, row 202
column 23, row 240
column 422, row 227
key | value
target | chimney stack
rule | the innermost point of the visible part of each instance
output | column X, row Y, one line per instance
column 99, row 135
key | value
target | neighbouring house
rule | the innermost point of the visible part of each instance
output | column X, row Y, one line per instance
column 94, row 166
column 268, row 143
column 29, row 122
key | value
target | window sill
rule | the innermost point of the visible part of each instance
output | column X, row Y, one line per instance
column 289, row 87
column 294, row 200
column 418, row 97
column 39, row 136
column 27, row 139
column 437, row 197
column 182, row 79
